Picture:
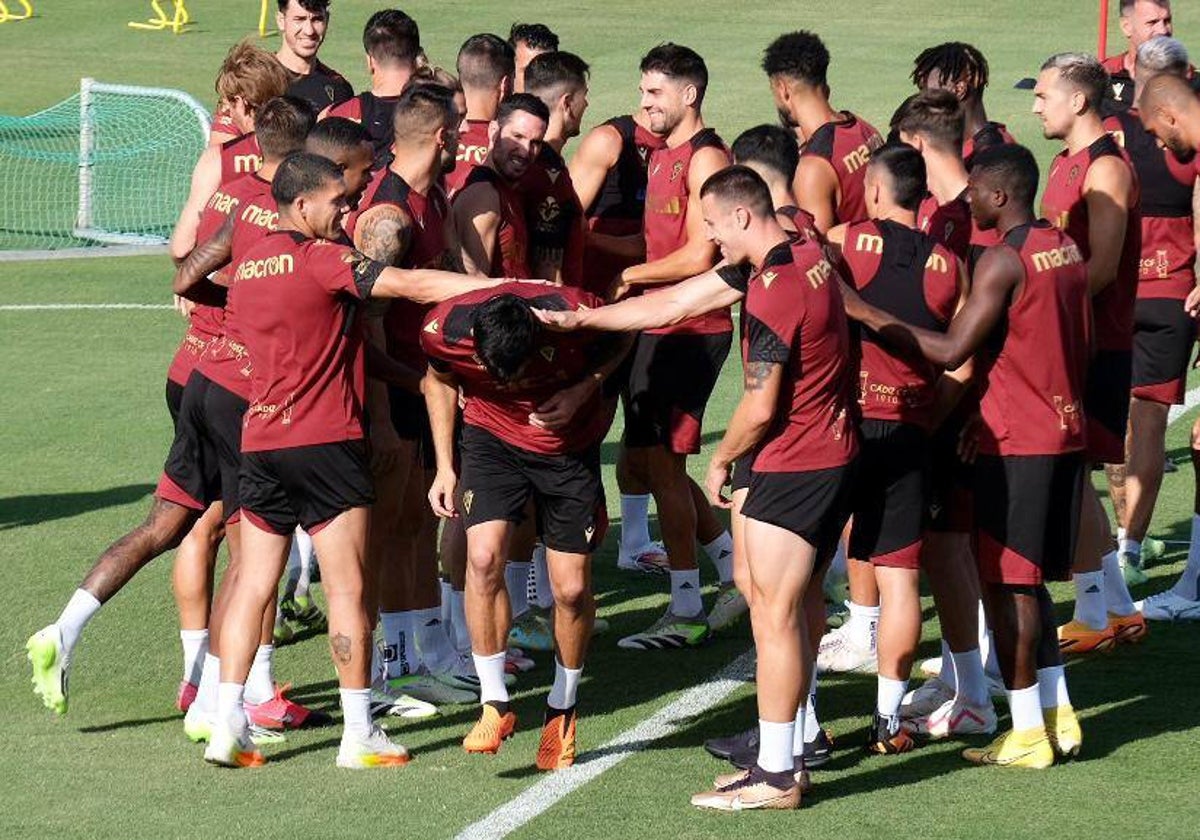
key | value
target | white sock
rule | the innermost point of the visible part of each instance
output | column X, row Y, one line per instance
column 1117, row 599
column 490, row 670
column 812, row 726
column 75, row 616
column 987, row 648
column 1128, row 546
column 1052, row 687
column 516, row 576
column 543, row 594
column 1089, row 599
column 888, row 694
column 195, row 648
column 566, row 683
column 356, row 712
column 635, row 523
column 970, row 683
column 260, row 684
column 1120, row 533
column 1025, row 705
column 775, row 746
column 863, row 624
column 685, row 592
column 446, row 590
column 206, row 695
column 433, row 645
column 1188, row 585
column 720, row 552
column 230, row 697
column 946, row 673
column 458, row 608
column 303, row 545
column 399, row 648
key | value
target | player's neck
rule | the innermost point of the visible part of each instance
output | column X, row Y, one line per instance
column 490, row 163
column 1129, row 61
column 1087, row 130
column 691, row 125
column 896, row 214
column 781, row 196
column 555, row 138
column 947, row 175
column 974, row 117
column 268, row 169
column 418, row 168
column 814, row 112
column 390, row 82
column 295, row 63
column 769, row 236
column 481, row 105
column 1014, row 220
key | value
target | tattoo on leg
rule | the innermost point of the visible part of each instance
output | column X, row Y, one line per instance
column 340, row 644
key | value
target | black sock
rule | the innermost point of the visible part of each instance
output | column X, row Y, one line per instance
column 500, row 706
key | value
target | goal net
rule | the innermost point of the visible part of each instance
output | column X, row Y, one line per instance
column 111, row 165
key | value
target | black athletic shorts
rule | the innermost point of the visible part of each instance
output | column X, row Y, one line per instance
column 814, row 505
column 191, row 476
column 671, row 378
column 1027, row 516
column 410, row 418
column 305, row 485
column 174, row 400
column 1106, row 405
column 950, row 507
column 739, row 473
column 889, row 496
column 498, row 479
column 1162, row 342
column 223, row 413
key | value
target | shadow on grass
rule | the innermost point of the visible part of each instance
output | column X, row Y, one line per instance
column 117, row 725
column 20, row 511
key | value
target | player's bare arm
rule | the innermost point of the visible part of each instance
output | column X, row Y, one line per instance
column 427, row 285
column 598, row 153
column 761, row 383
column 476, row 220
column 999, row 276
column 953, row 384
column 192, row 278
column 441, row 399
column 817, row 189
column 1106, row 192
column 206, row 179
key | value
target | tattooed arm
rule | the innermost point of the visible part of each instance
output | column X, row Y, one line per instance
column 192, row 277
column 751, row 419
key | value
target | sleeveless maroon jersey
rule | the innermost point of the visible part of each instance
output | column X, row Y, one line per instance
column 472, row 151
column 1033, row 366
column 426, row 249
column 949, row 223
column 240, row 156
column 503, row 409
column 911, row 276
column 992, row 134
column 206, row 322
column 846, row 144
column 375, row 114
column 510, row 257
column 1064, row 205
column 1168, row 258
column 794, row 317
column 553, row 213
column 802, row 221
column 665, row 222
column 619, row 206
column 226, row 360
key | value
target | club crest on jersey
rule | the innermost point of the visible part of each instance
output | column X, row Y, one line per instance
column 1073, row 174
column 1118, row 89
column 549, row 210
column 468, row 498
column 676, row 170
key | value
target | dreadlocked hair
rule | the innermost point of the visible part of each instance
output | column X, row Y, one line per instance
column 955, row 61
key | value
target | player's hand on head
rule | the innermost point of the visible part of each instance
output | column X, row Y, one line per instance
column 560, row 321
column 716, row 479
column 441, row 494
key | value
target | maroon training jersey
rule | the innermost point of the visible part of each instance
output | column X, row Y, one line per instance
column 426, row 249
column 1168, row 257
column 619, row 206
column 296, row 302
column 375, row 114
column 909, row 275
column 846, row 143
column 1064, row 205
column 1033, row 367
column 226, row 360
column 240, row 156
column 472, row 151
column 553, row 213
column 795, row 318
column 561, row 359
column 510, row 256
column 992, row 134
column 665, row 222
column 949, row 223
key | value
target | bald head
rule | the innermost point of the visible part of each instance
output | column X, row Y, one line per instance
column 1169, row 110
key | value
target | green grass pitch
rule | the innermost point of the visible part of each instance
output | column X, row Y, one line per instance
column 83, row 432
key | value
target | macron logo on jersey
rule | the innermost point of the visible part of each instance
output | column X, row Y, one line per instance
column 1057, row 257
column 266, row 267
column 246, row 163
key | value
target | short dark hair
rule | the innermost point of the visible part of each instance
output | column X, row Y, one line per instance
column 526, row 102
column 936, row 115
column 1083, row 72
column 1127, row 5
column 336, row 134
column 485, row 59
column 536, row 36
column 906, row 169
column 317, row 7
column 801, row 56
column 302, row 173
column 955, row 61
column 676, row 61
column 743, row 185
column 1012, row 167
column 552, row 72
column 281, row 125
column 504, row 331
column 392, row 37
column 423, row 108
column 772, row 146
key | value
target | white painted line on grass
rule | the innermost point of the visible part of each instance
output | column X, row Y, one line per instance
column 66, row 307
column 1190, row 400
column 554, row 786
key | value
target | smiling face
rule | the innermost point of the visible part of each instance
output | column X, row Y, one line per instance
column 303, row 31
column 324, row 208
column 725, row 227
column 665, row 101
column 516, row 144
